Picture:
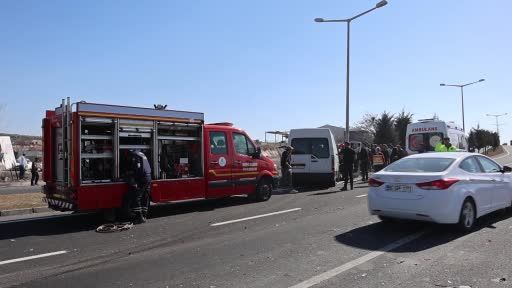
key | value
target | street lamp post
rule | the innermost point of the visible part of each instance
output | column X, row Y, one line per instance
column 461, row 86
column 497, row 122
column 347, row 92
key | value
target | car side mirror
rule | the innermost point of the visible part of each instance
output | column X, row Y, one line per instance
column 257, row 154
column 506, row 169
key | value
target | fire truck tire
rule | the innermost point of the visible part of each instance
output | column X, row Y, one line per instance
column 263, row 190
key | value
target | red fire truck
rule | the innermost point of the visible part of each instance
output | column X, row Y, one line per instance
column 85, row 146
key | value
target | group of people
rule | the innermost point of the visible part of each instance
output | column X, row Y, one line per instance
column 372, row 158
column 34, row 169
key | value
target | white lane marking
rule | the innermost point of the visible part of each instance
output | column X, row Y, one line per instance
column 506, row 151
column 33, row 257
column 359, row 196
column 349, row 265
column 254, row 217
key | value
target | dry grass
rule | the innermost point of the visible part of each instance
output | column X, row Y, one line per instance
column 496, row 152
column 17, row 201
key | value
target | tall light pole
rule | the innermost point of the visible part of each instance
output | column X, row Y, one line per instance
column 461, row 86
column 497, row 123
column 348, row 20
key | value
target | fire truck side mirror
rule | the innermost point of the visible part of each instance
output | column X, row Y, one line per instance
column 257, row 154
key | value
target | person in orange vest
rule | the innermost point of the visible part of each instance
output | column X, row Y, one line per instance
column 378, row 160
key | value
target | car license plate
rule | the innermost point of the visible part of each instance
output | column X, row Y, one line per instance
column 399, row 188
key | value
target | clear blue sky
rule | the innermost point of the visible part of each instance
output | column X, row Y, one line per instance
column 247, row 61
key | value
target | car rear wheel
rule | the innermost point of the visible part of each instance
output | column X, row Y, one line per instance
column 263, row 191
column 467, row 216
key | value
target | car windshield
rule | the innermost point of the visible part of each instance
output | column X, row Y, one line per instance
column 418, row 165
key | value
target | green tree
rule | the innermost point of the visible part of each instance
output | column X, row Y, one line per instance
column 482, row 139
column 384, row 129
column 401, row 121
column 495, row 140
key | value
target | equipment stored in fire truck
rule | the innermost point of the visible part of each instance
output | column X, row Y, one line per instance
column 85, row 159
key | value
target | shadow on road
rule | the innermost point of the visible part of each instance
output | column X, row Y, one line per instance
column 304, row 189
column 377, row 235
column 171, row 209
column 49, row 226
column 64, row 224
column 326, row 192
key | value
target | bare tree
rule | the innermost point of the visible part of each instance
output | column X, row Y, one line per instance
column 368, row 123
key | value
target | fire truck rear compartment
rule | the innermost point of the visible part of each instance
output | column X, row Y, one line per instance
column 88, row 153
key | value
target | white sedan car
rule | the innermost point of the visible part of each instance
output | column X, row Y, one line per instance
column 448, row 187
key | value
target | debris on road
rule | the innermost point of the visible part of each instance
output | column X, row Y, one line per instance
column 114, row 227
column 499, row 280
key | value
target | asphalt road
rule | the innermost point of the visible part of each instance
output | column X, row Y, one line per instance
column 331, row 241
column 505, row 159
column 316, row 238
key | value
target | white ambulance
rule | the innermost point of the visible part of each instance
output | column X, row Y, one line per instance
column 424, row 135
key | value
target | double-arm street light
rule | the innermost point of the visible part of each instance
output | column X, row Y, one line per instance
column 461, row 86
column 322, row 20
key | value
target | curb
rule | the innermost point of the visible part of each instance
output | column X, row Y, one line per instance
column 24, row 211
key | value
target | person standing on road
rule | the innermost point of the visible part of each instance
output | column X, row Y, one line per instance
column 401, row 152
column 138, row 177
column 372, row 152
column 378, row 160
column 35, row 172
column 22, row 164
column 340, row 158
column 445, row 146
column 395, row 155
column 286, row 166
column 386, row 153
column 349, row 156
column 364, row 161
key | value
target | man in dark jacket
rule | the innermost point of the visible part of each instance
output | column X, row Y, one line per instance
column 349, row 156
column 138, row 178
column 286, row 166
column 364, row 162
column 387, row 156
column 35, row 172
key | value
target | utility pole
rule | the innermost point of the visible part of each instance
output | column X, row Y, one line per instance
column 497, row 122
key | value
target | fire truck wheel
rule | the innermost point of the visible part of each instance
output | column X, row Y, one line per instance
column 263, row 190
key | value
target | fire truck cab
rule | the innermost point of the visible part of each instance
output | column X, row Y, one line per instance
column 85, row 156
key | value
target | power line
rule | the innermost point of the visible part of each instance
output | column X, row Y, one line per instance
column 497, row 122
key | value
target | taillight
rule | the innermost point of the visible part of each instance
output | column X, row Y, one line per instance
column 374, row 182
column 440, row 184
column 332, row 164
